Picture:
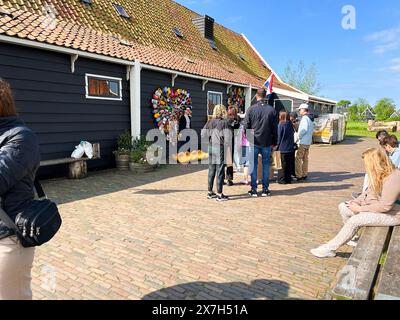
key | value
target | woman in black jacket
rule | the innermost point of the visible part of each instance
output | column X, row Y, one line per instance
column 286, row 147
column 19, row 161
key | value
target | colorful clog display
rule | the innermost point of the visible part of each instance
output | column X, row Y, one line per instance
column 237, row 97
column 167, row 101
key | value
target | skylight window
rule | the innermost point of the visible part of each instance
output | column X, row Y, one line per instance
column 121, row 11
column 178, row 32
column 88, row 2
column 242, row 57
column 5, row 13
column 213, row 45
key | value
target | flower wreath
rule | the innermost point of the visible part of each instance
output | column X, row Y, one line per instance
column 166, row 102
column 236, row 97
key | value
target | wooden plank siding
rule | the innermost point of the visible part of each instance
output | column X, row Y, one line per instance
column 51, row 100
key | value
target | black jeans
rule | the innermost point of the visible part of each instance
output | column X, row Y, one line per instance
column 216, row 168
column 285, row 174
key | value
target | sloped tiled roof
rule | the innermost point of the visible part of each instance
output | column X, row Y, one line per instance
column 98, row 28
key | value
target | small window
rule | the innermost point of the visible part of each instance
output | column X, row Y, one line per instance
column 101, row 87
column 178, row 32
column 121, row 11
column 242, row 57
column 88, row 2
column 213, row 99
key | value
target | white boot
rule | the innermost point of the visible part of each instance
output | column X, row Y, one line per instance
column 323, row 252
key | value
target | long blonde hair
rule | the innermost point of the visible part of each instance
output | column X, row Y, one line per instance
column 219, row 112
column 378, row 167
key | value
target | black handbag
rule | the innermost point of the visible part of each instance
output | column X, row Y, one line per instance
column 38, row 223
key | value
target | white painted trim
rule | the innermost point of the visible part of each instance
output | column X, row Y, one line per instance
column 319, row 100
column 128, row 72
column 260, row 56
column 135, row 97
column 228, row 87
column 248, row 100
column 204, row 85
column 59, row 49
column 269, row 67
column 291, row 100
column 174, row 76
column 74, row 58
column 291, row 94
column 87, row 75
column 94, row 56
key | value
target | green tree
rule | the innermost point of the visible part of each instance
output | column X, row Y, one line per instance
column 384, row 109
column 302, row 77
column 343, row 106
column 358, row 108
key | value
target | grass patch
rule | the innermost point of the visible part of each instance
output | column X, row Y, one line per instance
column 360, row 129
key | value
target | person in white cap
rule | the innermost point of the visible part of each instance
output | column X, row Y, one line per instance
column 306, row 131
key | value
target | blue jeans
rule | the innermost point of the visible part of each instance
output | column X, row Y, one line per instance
column 266, row 154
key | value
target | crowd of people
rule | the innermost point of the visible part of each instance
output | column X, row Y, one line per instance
column 261, row 131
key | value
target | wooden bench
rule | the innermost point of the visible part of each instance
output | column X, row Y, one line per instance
column 77, row 167
column 389, row 281
column 366, row 276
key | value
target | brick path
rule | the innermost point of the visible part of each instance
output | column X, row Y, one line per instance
column 155, row 236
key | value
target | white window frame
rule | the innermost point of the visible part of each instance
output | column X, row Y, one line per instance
column 100, row 77
column 208, row 98
column 291, row 100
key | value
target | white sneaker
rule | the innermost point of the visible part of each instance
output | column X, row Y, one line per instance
column 323, row 252
column 352, row 243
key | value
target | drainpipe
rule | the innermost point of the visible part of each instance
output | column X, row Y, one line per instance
column 135, row 95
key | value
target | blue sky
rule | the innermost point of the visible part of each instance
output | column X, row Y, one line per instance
column 364, row 62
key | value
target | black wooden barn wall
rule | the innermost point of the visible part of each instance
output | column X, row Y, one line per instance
column 152, row 80
column 51, row 100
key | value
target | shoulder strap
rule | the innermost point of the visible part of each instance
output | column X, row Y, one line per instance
column 39, row 190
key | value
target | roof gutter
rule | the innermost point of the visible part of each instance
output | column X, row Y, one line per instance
column 95, row 56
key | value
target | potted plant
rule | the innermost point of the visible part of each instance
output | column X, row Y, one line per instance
column 124, row 144
column 139, row 162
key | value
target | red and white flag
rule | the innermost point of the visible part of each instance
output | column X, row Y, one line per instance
column 269, row 84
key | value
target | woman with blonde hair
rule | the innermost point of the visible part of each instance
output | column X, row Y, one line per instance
column 216, row 130
column 378, row 206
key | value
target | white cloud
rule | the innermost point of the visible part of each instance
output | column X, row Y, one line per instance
column 393, row 67
column 386, row 40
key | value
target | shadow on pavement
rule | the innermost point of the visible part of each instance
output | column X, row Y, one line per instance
column 333, row 176
column 63, row 190
column 258, row 289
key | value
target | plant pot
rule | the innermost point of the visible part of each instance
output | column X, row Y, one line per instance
column 141, row 168
column 122, row 161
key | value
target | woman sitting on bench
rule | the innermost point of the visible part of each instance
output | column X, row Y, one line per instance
column 378, row 206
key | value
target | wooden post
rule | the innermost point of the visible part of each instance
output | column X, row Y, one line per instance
column 78, row 169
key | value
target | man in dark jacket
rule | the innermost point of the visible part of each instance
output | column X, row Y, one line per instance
column 261, row 124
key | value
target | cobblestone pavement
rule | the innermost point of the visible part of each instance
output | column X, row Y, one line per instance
column 155, row 236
